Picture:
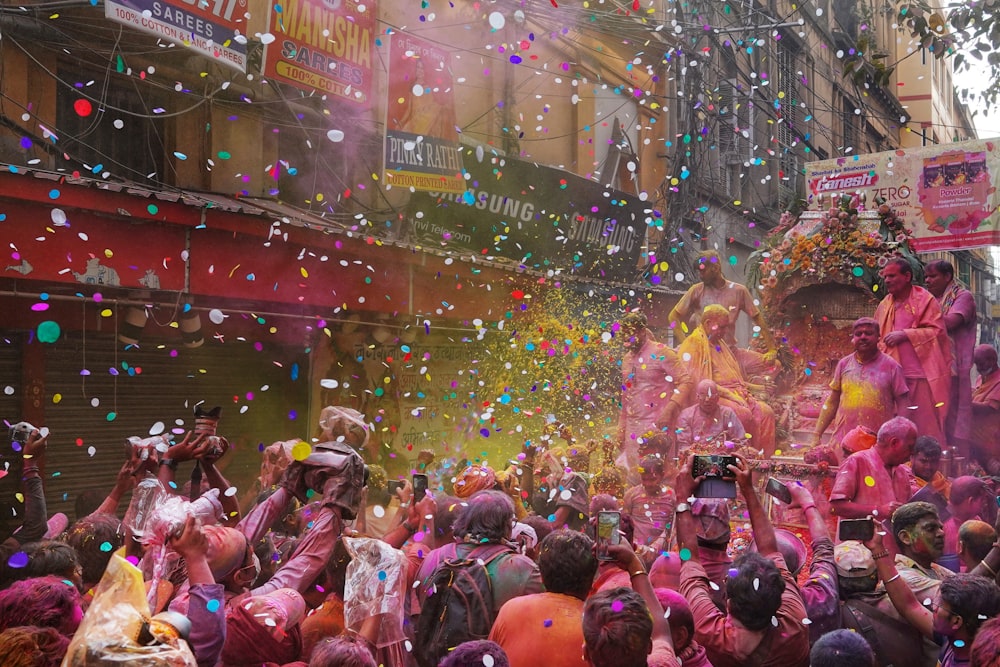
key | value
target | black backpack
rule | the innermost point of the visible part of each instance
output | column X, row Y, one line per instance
column 456, row 606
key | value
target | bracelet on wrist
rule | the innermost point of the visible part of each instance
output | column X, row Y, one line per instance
column 807, row 508
column 410, row 528
column 881, row 554
column 892, row 579
column 170, row 463
column 988, row 568
column 636, row 573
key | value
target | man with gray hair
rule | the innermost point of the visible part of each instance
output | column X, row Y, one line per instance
column 868, row 387
column 873, row 482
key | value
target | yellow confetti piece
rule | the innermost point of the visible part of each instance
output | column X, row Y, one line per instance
column 302, row 270
column 109, row 253
column 301, row 451
column 869, row 480
column 56, row 398
column 234, row 270
column 20, row 497
column 107, row 312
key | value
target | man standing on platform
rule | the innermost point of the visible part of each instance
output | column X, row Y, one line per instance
column 868, row 387
column 914, row 334
column 958, row 309
column 715, row 289
column 655, row 387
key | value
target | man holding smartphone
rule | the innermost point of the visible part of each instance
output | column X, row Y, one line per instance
column 763, row 625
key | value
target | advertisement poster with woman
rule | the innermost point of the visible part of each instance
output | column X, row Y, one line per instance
column 422, row 150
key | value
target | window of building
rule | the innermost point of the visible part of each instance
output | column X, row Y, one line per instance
column 135, row 151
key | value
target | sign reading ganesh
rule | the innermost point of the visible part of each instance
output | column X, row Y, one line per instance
column 816, row 274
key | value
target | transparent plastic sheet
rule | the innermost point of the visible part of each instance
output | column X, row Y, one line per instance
column 376, row 585
column 107, row 635
column 165, row 520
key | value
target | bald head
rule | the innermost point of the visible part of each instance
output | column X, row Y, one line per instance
column 975, row 540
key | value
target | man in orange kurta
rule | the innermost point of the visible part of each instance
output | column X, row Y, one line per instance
column 709, row 357
column 914, row 334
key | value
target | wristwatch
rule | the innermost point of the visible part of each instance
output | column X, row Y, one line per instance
column 683, row 507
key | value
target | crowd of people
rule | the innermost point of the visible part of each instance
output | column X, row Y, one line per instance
column 650, row 557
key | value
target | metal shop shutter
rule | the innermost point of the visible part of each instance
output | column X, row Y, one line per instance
column 91, row 415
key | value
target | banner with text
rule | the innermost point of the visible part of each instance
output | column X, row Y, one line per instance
column 323, row 46
column 216, row 29
column 421, row 142
column 946, row 194
column 541, row 217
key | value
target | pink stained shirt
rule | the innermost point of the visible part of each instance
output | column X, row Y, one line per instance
column 863, row 478
column 868, row 392
column 651, row 377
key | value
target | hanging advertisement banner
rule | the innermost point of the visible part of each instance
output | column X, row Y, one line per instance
column 946, row 194
column 323, row 46
column 540, row 217
column 422, row 150
column 215, row 29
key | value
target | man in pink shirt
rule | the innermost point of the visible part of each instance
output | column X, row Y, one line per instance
column 958, row 309
column 874, row 482
column 914, row 334
column 655, row 387
column 968, row 499
column 868, row 387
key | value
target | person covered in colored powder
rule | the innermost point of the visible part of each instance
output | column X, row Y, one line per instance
column 709, row 357
column 655, row 387
column 868, row 387
column 715, row 289
column 958, row 308
column 914, row 334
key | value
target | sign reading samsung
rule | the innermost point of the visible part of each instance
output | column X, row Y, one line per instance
column 543, row 218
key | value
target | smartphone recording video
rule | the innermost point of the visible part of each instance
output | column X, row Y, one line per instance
column 419, row 486
column 608, row 526
column 856, row 529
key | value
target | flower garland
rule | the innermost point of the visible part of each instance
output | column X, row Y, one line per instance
column 838, row 247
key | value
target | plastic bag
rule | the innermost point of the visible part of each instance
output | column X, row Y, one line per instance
column 107, row 635
column 166, row 520
column 375, row 585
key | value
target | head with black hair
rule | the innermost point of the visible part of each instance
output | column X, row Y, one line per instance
column 472, row 654
column 485, row 517
column 754, row 591
column 841, row 648
column 964, row 602
column 918, row 532
column 567, row 563
column 617, row 629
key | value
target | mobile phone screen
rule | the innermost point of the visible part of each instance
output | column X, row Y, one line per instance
column 778, row 490
column 856, row 529
column 608, row 525
column 419, row 486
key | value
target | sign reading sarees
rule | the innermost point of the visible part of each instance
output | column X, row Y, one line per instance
column 946, row 194
column 216, row 28
column 323, row 46
column 541, row 217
